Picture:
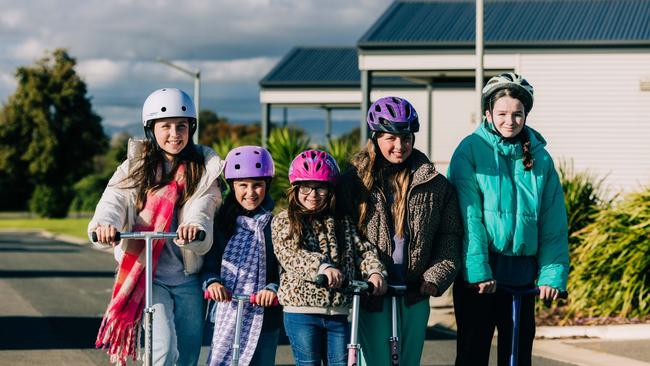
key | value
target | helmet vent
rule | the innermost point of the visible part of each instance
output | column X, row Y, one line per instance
column 396, row 100
column 163, row 109
column 305, row 165
column 408, row 111
column 256, row 152
column 378, row 108
column 320, row 164
column 258, row 165
column 237, row 166
column 391, row 110
column 183, row 108
column 371, row 117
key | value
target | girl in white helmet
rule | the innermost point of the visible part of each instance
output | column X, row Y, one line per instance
column 515, row 224
column 167, row 183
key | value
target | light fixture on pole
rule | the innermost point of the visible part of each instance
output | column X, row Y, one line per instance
column 196, row 74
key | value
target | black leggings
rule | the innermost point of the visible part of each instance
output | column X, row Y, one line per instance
column 476, row 317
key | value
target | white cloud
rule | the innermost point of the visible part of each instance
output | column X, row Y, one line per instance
column 11, row 18
column 29, row 50
column 100, row 72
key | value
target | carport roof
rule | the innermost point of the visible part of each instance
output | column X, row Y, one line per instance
column 511, row 23
column 322, row 67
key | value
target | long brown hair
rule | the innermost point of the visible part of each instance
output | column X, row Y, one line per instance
column 372, row 178
column 147, row 175
column 523, row 136
column 297, row 213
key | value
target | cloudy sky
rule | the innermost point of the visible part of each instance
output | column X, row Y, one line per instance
column 116, row 42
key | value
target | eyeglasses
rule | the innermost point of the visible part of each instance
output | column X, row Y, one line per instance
column 306, row 190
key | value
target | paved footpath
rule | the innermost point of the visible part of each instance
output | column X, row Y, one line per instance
column 53, row 294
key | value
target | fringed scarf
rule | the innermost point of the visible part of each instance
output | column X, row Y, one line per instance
column 243, row 271
column 120, row 329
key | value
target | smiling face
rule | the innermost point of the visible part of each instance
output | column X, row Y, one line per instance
column 312, row 195
column 507, row 116
column 249, row 193
column 172, row 135
column 395, row 148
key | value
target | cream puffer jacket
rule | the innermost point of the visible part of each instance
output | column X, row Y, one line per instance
column 117, row 205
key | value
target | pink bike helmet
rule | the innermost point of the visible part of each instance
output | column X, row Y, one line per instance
column 249, row 162
column 313, row 165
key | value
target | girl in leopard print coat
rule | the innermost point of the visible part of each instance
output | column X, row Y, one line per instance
column 309, row 240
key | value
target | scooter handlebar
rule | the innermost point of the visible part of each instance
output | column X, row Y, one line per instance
column 347, row 285
column 252, row 298
column 200, row 235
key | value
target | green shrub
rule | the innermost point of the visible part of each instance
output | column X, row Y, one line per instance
column 88, row 191
column 284, row 144
column 49, row 201
column 342, row 150
column 583, row 197
column 611, row 264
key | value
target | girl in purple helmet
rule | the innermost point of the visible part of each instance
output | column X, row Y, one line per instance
column 309, row 239
column 410, row 212
column 242, row 261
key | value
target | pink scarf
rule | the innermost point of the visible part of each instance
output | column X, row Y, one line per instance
column 120, row 329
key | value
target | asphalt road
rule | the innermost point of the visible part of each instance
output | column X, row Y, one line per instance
column 53, row 295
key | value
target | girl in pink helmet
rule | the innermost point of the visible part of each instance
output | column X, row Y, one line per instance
column 309, row 239
column 241, row 261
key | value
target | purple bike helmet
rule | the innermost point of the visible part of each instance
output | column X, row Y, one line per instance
column 393, row 115
column 249, row 162
column 313, row 165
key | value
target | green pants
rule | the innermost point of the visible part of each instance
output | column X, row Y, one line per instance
column 376, row 328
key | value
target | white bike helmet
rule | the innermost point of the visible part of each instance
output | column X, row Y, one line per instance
column 168, row 102
column 509, row 80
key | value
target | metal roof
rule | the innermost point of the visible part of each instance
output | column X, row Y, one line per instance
column 512, row 23
column 316, row 66
column 322, row 67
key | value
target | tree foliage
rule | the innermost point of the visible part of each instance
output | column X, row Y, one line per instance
column 49, row 135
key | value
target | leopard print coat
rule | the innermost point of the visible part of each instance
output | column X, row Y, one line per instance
column 321, row 244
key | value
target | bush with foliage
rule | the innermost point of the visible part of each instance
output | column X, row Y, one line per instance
column 48, row 201
column 611, row 265
column 284, row 144
column 583, row 196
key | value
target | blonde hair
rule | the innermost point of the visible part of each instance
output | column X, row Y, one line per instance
column 372, row 177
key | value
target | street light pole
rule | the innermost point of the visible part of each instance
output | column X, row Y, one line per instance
column 196, row 74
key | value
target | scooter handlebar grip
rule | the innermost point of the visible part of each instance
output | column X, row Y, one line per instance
column 254, row 300
column 117, row 236
column 321, row 280
column 200, row 235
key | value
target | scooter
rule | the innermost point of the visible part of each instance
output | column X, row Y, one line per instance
column 148, row 237
column 241, row 300
column 516, row 309
column 517, row 294
column 356, row 288
column 393, row 340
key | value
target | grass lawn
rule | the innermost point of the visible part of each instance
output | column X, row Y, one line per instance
column 74, row 227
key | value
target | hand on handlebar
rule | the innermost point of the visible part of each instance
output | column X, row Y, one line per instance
column 186, row 234
column 217, row 292
column 487, row 287
column 106, row 234
column 266, row 298
column 379, row 284
column 334, row 277
column 548, row 293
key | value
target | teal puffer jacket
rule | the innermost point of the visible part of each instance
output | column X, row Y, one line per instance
column 508, row 210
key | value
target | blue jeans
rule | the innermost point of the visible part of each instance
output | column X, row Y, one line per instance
column 266, row 346
column 315, row 338
column 177, row 324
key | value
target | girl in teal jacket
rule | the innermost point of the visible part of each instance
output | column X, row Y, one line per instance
column 515, row 221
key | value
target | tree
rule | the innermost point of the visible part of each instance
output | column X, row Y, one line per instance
column 214, row 129
column 49, row 135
